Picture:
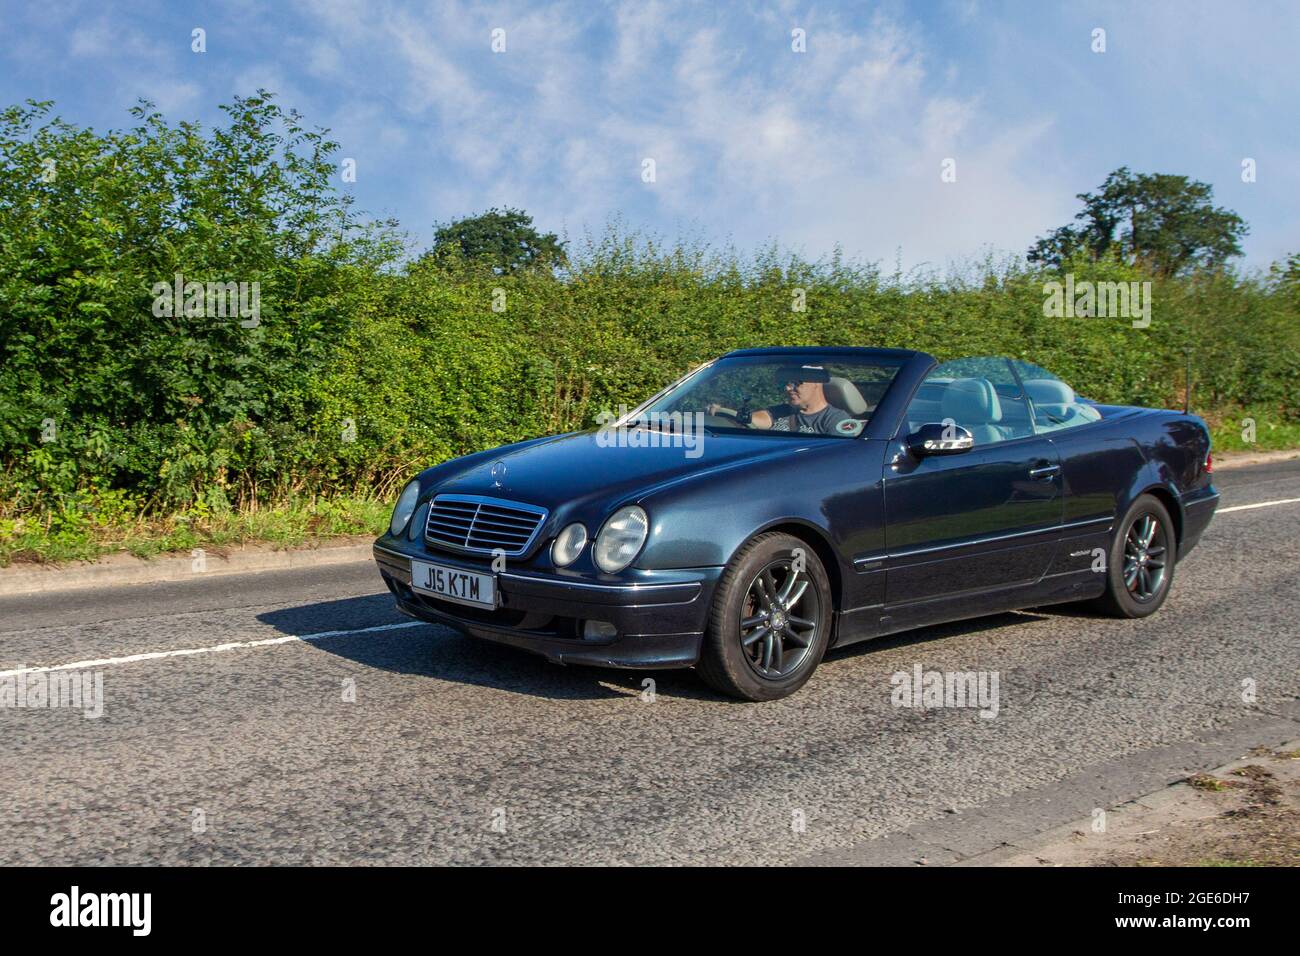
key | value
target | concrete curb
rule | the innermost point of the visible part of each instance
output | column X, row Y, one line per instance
column 128, row 569
column 1240, row 459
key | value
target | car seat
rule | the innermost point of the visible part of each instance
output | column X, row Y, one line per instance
column 844, row 395
column 973, row 404
column 1056, row 405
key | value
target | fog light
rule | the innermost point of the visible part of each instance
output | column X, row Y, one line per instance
column 598, row 631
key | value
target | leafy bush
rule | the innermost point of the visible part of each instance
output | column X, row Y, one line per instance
column 96, row 389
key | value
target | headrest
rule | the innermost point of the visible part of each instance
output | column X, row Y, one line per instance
column 1049, row 391
column 842, row 393
column 971, row 401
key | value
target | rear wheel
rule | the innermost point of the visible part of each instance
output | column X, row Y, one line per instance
column 770, row 622
column 1140, row 565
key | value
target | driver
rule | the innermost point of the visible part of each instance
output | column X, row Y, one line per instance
column 805, row 409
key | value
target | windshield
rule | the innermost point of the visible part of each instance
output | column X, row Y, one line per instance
column 834, row 395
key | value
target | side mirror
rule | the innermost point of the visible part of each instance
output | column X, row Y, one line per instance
column 939, row 438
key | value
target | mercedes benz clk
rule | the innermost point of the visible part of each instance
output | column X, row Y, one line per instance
column 775, row 503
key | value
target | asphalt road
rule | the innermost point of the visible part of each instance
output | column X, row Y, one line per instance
column 457, row 751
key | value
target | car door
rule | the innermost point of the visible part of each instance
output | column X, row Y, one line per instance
column 963, row 530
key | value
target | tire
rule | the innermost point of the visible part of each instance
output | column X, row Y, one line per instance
column 1129, row 593
column 743, row 655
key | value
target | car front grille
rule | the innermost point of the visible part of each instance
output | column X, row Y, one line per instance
column 482, row 525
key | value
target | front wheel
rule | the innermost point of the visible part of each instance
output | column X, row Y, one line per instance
column 1140, row 565
column 770, row 622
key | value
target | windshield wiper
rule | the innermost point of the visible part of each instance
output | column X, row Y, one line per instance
column 654, row 427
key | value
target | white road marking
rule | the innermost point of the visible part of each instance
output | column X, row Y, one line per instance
column 272, row 641
column 1262, row 504
column 191, row 651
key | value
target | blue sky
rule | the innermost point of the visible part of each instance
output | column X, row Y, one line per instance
column 842, row 144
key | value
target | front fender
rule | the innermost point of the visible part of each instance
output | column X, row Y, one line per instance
column 830, row 489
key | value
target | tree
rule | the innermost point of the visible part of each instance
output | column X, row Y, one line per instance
column 504, row 238
column 1162, row 223
column 1286, row 275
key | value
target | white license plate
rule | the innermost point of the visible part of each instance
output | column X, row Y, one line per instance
column 454, row 584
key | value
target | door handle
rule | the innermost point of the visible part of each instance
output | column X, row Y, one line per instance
column 1045, row 471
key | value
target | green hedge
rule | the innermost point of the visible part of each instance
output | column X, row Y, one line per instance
column 362, row 369
column 435, row 372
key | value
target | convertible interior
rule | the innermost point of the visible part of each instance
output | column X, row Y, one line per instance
column 997, row 413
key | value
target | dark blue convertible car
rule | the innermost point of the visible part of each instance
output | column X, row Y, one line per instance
column 774, row 503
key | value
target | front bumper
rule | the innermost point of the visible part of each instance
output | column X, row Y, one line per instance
column 660, row 616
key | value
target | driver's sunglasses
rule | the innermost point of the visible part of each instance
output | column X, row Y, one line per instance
column 793, row 386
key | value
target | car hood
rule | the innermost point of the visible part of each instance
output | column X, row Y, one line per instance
column 579, row 467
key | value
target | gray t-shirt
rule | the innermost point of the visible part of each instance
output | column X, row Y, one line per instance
column 786, row 419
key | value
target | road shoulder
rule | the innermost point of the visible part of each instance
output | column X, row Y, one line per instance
column 1016, row 823
column 1244, row 813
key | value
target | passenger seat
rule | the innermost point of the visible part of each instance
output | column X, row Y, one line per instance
column 973, row 404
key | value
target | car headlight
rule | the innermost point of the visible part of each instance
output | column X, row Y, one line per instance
column 418, row 523
column 405, row 505
column 568, row 545
column 620, row 539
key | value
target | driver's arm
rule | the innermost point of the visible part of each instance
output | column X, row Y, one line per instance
column 759, row 419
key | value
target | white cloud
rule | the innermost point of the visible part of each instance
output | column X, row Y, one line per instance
column 842, row 145
column 839, row 145
column 640, row 28
column 134, row 64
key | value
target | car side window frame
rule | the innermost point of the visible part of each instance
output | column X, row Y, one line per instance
column 1052, row 376
column 1024, row 394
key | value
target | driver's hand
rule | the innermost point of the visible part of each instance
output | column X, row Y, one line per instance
column 712, row 408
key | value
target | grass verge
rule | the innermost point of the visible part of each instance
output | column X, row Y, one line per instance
column 84, row 535
column 1252, row 430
